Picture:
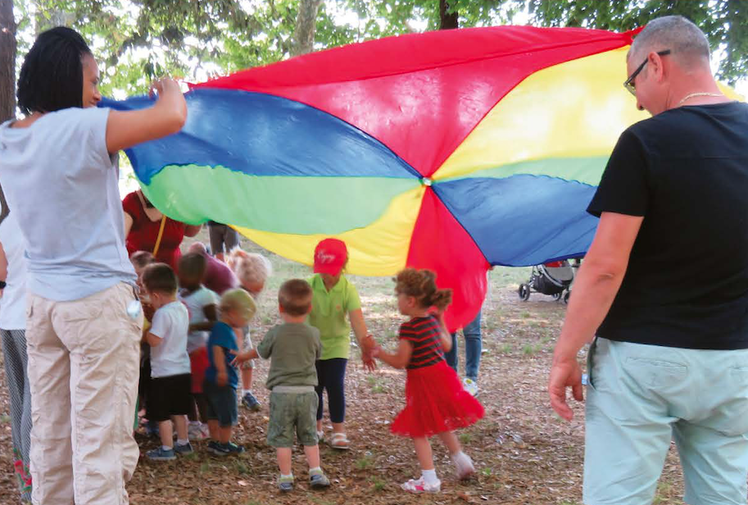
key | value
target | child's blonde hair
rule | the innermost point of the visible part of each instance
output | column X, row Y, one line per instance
column 249, row 267
column 421, row 284
column 240, row 301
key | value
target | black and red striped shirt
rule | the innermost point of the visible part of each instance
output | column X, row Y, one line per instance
column 424, row 333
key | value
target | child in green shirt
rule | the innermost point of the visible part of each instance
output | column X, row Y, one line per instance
column 292, row 347
column 335, row 298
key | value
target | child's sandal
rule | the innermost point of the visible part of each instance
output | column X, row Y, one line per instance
column 340, row 441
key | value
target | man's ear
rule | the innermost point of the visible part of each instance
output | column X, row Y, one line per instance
column 657, row 66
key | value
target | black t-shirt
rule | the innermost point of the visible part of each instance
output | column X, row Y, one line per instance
column 686, row 172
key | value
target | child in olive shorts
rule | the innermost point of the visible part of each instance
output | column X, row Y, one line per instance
column 292, row 347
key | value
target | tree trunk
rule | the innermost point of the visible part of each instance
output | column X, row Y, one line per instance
column 448, row 19
column 7, row 61
column 306, row 22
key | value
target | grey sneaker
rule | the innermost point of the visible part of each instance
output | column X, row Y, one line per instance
column 318, row 480
column 161, row 454
column 285, row 484
column 183, row 449
column 250, row 402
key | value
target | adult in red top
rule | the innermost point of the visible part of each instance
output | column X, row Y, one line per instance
column 142, row 223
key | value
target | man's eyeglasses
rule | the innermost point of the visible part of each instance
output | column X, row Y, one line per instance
column 629, row 84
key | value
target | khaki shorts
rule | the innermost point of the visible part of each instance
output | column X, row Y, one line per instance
column 640, row 397
column 293, row 412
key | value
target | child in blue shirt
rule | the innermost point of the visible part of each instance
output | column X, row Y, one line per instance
column 221, row 379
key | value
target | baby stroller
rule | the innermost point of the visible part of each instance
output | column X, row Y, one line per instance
column 552, row 279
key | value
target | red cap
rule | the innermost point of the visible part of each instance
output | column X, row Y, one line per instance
column 330, row 256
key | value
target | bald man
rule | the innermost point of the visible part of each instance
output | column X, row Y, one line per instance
column 663, row 289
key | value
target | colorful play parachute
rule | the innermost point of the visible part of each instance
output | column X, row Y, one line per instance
column 450, row 150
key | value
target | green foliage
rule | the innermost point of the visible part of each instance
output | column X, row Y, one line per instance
column 136, row 41
column 725, row 22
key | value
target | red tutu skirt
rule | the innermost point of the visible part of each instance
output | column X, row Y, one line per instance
column 199, row 363
column 436, row 402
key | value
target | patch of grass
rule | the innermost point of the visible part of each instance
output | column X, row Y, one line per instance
column 205, row 467
column 506, row 349
column 375, row 383
column 241, row 467
column 486, row 472
column 526, row 315
column 364, row 462
column 465, row 438
column 4, row 419
column 377, row 483
column 528, row 349
column 662, row 489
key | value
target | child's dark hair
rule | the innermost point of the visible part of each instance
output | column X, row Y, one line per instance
column 141, row 259
column 160, row 277
column 421, row 284
column 193, row 265
column 295, row 297
column 52, row 72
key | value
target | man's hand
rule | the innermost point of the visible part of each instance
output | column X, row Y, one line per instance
column 565, row 372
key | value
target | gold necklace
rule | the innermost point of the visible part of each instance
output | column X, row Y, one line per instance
column 693, row 95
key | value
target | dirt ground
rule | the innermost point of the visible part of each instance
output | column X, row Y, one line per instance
column 524, row 453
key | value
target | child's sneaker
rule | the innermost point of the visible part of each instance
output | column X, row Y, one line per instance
column 215, row 448
column 420, row 486
column 161, row 454
column 151, row 429
column 228, row 449
column 470, row 386
column 250, row 402
column 318, row 480
column 464, row 465
column 285, row 484
column 183, row 449
column 197, row 431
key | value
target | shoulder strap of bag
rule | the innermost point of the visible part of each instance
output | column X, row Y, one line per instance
column 160, row 234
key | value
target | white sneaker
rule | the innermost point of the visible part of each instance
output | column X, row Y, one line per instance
column 470, row 386
column 420, row 486
column 464, row 465
column 197, row 431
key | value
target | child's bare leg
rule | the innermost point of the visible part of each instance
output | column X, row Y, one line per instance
column 247, row 377
column 224, row 434
column 312, row 455
column 337, row 427
column 166, row 433
column 450, row 441
column 284, row 460
column 213, row 428
column 181, row 424
column 423, row 452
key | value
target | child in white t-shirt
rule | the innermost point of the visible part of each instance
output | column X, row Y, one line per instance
column 201, row 304
column 169, row 395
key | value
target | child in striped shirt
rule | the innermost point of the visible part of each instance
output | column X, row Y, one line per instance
column 436, row 403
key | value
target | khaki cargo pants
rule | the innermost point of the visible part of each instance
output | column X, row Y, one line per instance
column 83, row 366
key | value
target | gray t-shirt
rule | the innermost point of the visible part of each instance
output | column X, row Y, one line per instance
column 292, row 349
column 60, row 181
